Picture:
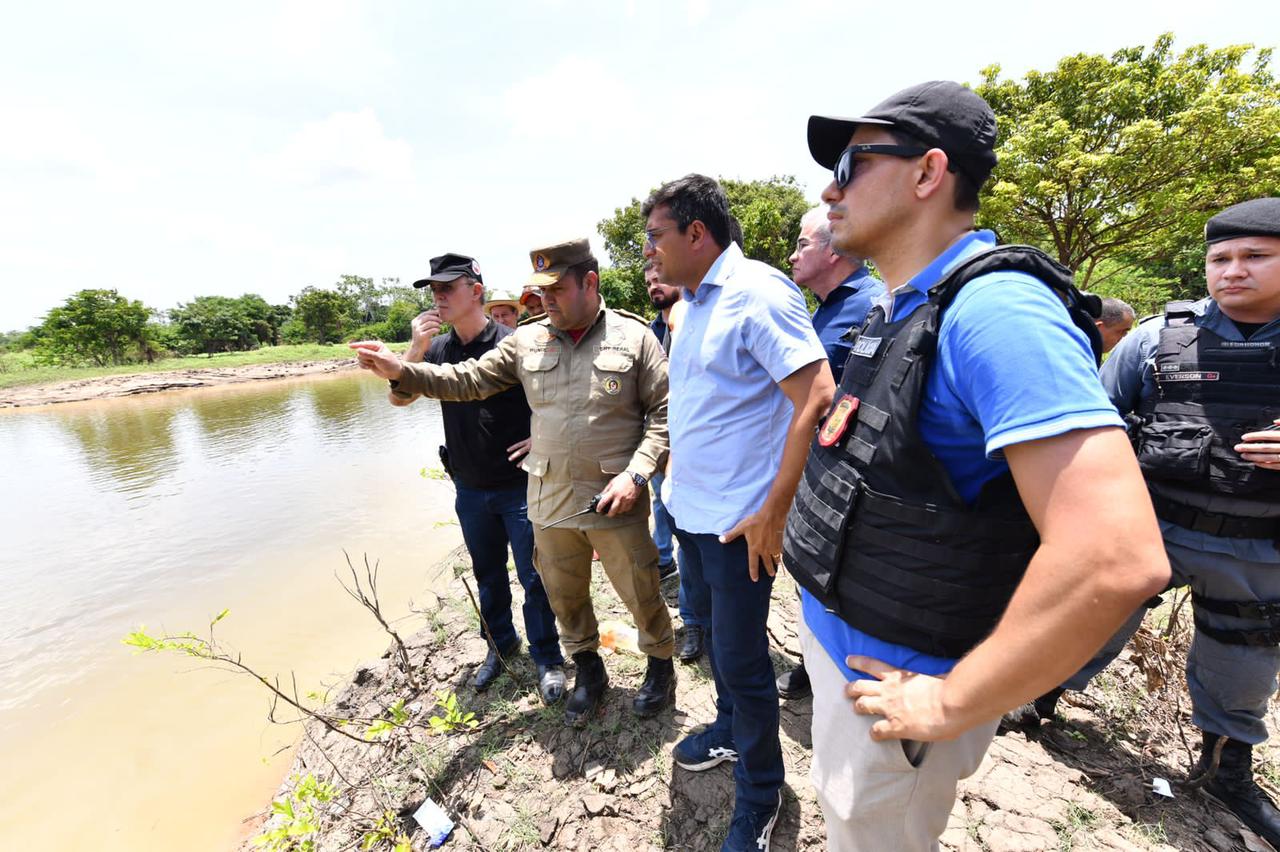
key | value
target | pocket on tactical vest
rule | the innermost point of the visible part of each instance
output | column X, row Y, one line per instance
column 1175, row 450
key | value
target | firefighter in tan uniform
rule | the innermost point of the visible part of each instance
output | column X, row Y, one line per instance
column 596, row 380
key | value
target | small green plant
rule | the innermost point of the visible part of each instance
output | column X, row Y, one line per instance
column 294, row 816
column 454, row 718
column 396, row 717
column 386, row 833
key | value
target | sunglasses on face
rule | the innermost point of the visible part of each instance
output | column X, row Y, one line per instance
column 650, row 239
column 847, row 165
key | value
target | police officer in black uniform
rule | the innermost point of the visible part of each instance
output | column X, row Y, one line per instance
column 1201, row 387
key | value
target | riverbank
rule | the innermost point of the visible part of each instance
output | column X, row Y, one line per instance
column 49, row 386
column 520, row 780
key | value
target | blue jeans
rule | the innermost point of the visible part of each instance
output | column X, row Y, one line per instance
column 695, row 595
column 746, row 694
column 661, row 522
column 489, row 520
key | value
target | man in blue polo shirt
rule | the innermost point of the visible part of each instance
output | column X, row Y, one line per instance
column 749, row 381
column 845, row 290
column 1007, row 519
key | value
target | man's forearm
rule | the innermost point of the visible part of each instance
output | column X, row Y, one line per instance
column 1100, row 557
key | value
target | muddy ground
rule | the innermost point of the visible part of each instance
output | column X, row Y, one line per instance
column 519, row 779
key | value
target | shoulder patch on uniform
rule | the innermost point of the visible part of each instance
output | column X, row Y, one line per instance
column 622, row 313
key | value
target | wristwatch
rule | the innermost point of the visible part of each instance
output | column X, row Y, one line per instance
column 639, row 480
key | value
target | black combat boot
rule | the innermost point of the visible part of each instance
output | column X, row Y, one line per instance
column 1031, row 714
column 658, row 690
column 794, row 685
column 589, row 685
column 1233, row 785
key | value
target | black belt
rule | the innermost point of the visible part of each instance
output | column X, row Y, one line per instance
column 1213, row 523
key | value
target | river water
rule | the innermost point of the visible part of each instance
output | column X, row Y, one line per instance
column 162, row 511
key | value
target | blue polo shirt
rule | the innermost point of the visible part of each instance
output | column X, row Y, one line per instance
column 844, row 308
column 746, row 329
column 1010, row 367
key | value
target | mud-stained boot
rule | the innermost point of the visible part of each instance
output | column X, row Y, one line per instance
column 589, row 684
column 1233, row 785
column 658, row 690
column 1031, row 714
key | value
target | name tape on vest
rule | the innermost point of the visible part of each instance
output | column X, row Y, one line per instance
column 865, row 347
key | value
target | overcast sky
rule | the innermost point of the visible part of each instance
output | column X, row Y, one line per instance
column 171, row 150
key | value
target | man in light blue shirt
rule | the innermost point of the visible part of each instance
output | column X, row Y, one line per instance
column 1010, row 411
column 749, row 380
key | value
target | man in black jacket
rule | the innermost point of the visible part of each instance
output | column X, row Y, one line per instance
column 483, row 442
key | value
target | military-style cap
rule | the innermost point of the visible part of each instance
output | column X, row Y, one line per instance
column 494, row 298
column 551, row 262
column 449, row 266
column 1257, row 218
column 939, row 113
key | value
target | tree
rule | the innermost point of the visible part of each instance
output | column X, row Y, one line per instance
column 1122, row 158
column 325, row 314
column 218, row 323
column 95, row 326
column 768, row 210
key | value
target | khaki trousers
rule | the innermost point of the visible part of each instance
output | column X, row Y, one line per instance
column 873, row 797
column 630, row 559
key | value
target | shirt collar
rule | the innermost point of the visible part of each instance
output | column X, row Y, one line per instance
column 857, row 281
column 720, row 272
column 970, row 244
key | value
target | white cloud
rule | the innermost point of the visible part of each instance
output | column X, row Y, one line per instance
column 345, row 147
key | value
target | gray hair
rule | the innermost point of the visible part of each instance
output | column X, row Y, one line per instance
column 817, row 218
column 1116, row 312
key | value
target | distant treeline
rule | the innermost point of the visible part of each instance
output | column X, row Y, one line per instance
column 101, row 327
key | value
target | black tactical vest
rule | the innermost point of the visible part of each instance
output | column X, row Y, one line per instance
column 878, row 532
column 1210, row 392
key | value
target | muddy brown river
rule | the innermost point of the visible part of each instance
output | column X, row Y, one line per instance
column 162, row 511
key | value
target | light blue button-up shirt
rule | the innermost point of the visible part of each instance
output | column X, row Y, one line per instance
column 747, row 328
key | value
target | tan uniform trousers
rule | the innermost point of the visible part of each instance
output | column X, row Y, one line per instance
column 563, row 559
column 873, row 798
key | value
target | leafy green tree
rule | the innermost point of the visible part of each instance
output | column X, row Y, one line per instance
column 768, row 210
column 218, row 323
column 1122, row 158
column 325, row 314
column 98, row 327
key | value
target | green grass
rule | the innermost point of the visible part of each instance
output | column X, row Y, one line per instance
column 20, row 368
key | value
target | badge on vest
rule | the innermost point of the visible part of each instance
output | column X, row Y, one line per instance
column 838, row 420
column 865, row 347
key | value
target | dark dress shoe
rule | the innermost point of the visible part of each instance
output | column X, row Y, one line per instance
column 589, row 684
column 692, row 645
column 667, row 570
column 493, row 666
column 658, row 690
column 551, row 683
column 795, row 683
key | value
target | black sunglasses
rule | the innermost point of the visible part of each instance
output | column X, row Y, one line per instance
column 846, row 165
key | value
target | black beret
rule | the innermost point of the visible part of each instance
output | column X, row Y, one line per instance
column 1257, row 218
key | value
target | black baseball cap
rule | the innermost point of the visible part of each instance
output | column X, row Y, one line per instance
column 447, row 267
column 939, row 113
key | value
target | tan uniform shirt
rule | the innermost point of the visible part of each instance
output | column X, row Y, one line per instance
column 599, row 408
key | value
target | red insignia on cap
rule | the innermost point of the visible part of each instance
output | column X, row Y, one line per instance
column 838, row 420
column 475, row 268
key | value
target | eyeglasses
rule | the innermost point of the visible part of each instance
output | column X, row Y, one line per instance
column 651, row 237
column 847, row 165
